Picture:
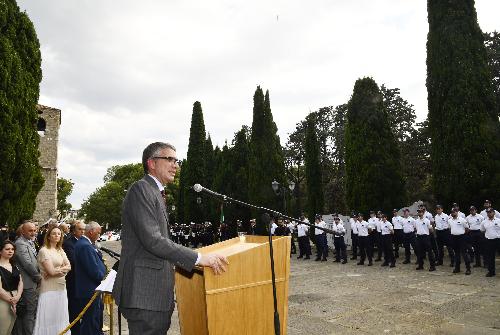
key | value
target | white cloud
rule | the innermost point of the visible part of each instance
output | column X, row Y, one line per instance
column 127, row 73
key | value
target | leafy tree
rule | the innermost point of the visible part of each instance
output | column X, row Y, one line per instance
column 125, row 175
column 20, row 76
column 195, row 170
column 104, row 205
column 492, row 43
column 266, row 161
column 64, row 189
column 315, row 199
column 180, row 214
column 463, row 118
column 373, row 170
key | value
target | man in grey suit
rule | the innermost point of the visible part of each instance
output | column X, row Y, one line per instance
column 28, row 266
column 144, row 285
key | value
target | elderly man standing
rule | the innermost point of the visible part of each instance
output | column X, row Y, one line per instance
column 144, row 285
column 76, row 231
column 27, row 263
column 89, row 272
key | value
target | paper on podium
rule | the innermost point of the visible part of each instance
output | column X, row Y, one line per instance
column 108, row 282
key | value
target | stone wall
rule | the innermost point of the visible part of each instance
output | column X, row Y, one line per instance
column 48, row 129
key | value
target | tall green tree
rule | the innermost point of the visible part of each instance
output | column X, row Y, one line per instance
column 125, row 175
column 195, row 170
column 20, row 76
column 492, row 43
column 104, row 205
column 64, row 189
column 463, row 119
column 315, row 200
column 266, row 161
column 180, row 203
column 373, row 167
column 210, row 204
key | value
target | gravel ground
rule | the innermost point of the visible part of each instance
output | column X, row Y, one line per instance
column 331, row 298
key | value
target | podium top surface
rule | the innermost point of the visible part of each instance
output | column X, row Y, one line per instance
column 237, row 245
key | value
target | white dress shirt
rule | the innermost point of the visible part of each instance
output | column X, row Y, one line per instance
column 362, row 228
column 372, row 223
column 458, row 225
column 428, row 216
column 423, row 226
column 491, row 228
column 354, row 226
column 386, row 227
column 408, row 225
column 302, row 230
column 321, row 224
column 485, row 215
column 442, row 221
column 474, row 221
column 397, row 222
column 339, row 228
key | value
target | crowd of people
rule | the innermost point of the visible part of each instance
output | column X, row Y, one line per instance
column 48, row 275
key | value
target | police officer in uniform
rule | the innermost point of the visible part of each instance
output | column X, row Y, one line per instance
column 364, row 241
column 338, row 241
column 487, row 205
column 387, row 231
column 443, row 236
column 293, row 233
column 408, row 235
column 320, row 237
column 458, row 229
column 302, row 236
column 373, row 225
column 354, row 235
column 424, row 229
column 475, row 236
column 491, row 227
column 397, row 224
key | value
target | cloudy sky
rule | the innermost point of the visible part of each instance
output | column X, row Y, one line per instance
column 126, row 73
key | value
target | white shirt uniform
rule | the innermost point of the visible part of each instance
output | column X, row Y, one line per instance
column 302, row 229
column 397, row 222
column 386, row 227
column 362, row 228
column 429, row 216
column 458, row 225
column 442, row 221
column 354, row 226
column 474, row 221
column 273, row 228
column 291, row 227
column 321, row 224
column 460, row 214
column 491, row 228
column 423, row 226
column 372, row 223
column 485, row 215
column 408, row 225
column 339, row 228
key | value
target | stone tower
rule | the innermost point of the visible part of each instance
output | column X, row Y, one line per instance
column 49, row 121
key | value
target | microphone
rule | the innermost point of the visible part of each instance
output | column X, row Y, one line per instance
column 198, row 188
column 109, row 251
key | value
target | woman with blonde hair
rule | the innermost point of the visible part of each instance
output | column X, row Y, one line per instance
column 52, row 312
column 11, row 287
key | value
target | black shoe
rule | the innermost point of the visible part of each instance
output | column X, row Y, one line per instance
column 378, row 260
column 384, row 264
column 467, row 272
column 396, row 256
column 419, row 268
column 317, row 259
column 300, row 257
column 406, row 261
column 344, row 261
column 370, row 264
column 476, row 265
column 456, row 270
column 360, row 263
column 489, row 274
column 392, row 265
column 324, row 260
column 307, row 257
column 439, row 263
column 353, row 258
column 337, row 261
column 452, row 265
column 432, row 268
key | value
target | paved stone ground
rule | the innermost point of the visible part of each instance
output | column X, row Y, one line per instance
column 331, row 298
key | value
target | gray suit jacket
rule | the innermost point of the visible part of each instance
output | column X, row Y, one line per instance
column 145, row 278
column 27, row 263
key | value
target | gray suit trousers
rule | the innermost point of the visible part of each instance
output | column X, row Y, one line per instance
column 144, row 322
column 24, row 325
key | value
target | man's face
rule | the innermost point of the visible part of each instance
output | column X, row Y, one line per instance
column 487, row 205
column 163, row 169
column 94, row 234
column 405, row 214
column 491, row 215
column 454, row 214
column 473, row 211
column 79, row 230
column 29, row 231
column 439, row 210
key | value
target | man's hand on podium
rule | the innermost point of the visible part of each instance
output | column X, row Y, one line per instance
column 217, row 262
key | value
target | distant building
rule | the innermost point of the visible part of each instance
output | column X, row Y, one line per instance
column 49, row 121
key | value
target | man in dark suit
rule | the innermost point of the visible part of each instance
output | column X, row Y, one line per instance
column 77, row 230
column 89, row 271
column 144, row 283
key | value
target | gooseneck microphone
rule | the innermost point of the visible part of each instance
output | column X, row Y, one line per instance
column 198, row 188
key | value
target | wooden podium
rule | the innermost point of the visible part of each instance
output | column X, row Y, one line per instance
column 240, row 301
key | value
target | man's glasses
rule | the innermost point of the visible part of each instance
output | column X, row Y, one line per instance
column 169, row 159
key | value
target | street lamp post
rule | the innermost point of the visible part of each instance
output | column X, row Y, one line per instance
column 282, row 190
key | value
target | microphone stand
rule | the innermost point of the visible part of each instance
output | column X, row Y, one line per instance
column 267, row 220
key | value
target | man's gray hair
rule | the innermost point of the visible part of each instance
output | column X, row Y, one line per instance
column 91, row 226
column 153, row 150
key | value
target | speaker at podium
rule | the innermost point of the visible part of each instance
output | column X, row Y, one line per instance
column 239, row 301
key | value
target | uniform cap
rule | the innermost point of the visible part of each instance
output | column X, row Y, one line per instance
column 487, row 201
column 318, row 216
column 394, row 210
column 439, row 206
column 472, row 208
column 490, row 210
column 454, row 210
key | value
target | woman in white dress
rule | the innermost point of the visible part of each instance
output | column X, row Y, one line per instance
column 52, row 313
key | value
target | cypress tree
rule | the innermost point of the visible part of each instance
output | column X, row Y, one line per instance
column 315, row 200
column 463, row 121
column 266, row 158
column 210, row 204
column 373, row 168
column 195, row 170
column 20, row 76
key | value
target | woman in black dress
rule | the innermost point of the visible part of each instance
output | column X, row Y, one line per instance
column 11, row 287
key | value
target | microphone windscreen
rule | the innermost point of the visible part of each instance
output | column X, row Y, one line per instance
column 197, row 188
